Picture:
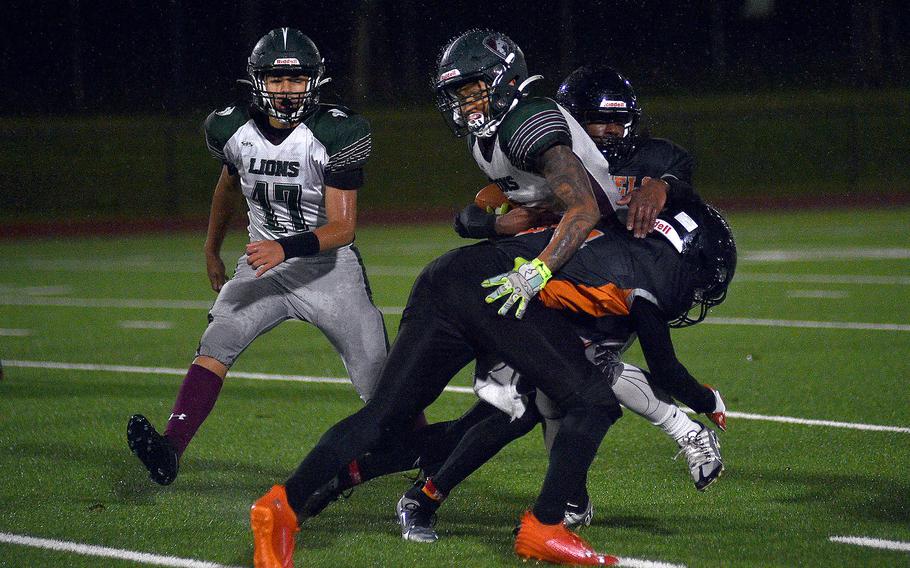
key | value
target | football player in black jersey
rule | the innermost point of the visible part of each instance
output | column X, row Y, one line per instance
column 651, row 173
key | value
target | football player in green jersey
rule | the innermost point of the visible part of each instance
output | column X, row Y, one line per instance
column 526, row 145
column 299, row 163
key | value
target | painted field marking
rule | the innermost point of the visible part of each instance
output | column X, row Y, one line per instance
column 802, row 255
column 160, row 560
column 637, row 563
column 818, row 294
column 14, row 332
column 143, row 324
column 107, row 303
column 875, row 280
column 455, row 389
column 872, row 542
column 106, row 552
column 397, row 310
column 809, row 324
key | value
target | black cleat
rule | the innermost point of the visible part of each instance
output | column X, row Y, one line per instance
column 155, row 451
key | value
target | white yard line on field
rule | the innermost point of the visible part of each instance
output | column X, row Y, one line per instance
column 145, row 324
column 818, row 294
column 462, row 390
column 637, row 563
column 836, row 254
column 160, row 560
column 874, row 280
column 134, row 303
column 872, row 542
column 106, row 552
column 810, row 324
column 14, row 332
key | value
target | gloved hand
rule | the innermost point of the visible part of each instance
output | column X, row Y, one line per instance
column 521, row 284
column 474, row 223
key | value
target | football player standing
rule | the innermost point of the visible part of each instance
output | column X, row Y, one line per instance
column 299, row 163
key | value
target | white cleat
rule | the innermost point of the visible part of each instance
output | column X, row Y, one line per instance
column 703, row 455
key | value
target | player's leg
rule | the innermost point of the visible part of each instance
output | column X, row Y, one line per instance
column 417, row 507
column 245, row 308
column 698, row 442
column 335, row 297
column 425, row 448
column 426, row 354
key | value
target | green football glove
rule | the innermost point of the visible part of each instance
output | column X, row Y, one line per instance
column 501, row 210
column 520, row 285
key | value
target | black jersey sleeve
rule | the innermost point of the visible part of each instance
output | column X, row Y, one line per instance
column 667, row 371
column 678, row 174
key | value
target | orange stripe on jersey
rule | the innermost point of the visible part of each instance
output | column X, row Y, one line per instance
column 597, row 301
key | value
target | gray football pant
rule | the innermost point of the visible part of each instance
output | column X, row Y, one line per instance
column 632, row 389
column 328, row 290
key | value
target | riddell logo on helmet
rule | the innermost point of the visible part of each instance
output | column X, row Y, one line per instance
column 449, row 74
column 287, row 61
column 612, row 104
column 662, row 227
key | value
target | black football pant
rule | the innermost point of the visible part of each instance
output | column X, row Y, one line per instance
column 445, row 325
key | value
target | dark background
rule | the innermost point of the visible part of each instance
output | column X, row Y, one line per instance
column 781, row 101
column 134, row 56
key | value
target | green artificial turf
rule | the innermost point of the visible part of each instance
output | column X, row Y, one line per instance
column 66, row 474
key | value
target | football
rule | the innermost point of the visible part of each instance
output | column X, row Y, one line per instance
column 490, row 198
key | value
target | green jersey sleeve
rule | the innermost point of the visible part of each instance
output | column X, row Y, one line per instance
column 345, row 135
column 219, row 127
column 532, row 127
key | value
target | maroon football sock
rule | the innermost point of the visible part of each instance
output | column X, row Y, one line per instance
column 195, row 400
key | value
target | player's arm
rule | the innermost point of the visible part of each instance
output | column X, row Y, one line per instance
column 571, row 188
column 667, row 371
column 224, row 203
column 674, row 186
column 341, row 214
column 572, row 194
column 679, row 177
column 341, row 221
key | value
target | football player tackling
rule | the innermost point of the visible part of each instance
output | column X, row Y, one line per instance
column 298, row 163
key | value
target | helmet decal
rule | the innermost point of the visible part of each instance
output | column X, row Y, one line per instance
column 497, row 45
column 450, row 74
column 287, row 61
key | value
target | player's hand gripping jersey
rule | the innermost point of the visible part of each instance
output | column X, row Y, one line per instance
column 536, row 124
column 660, row 159
column 284, row 184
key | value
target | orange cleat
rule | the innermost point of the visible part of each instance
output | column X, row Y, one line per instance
column 719, row 416
column 556, row 544
column 274, row 525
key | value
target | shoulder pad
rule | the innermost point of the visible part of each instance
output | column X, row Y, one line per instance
column 221, row 124
column 345, row 135
column 534, row 125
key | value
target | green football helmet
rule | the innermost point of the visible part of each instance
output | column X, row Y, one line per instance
column 286, row 51
column 480, row 56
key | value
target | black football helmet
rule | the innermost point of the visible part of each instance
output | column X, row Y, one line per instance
column 710, row 256
column 286, row 51
column 598, row 94
column 480, row 55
